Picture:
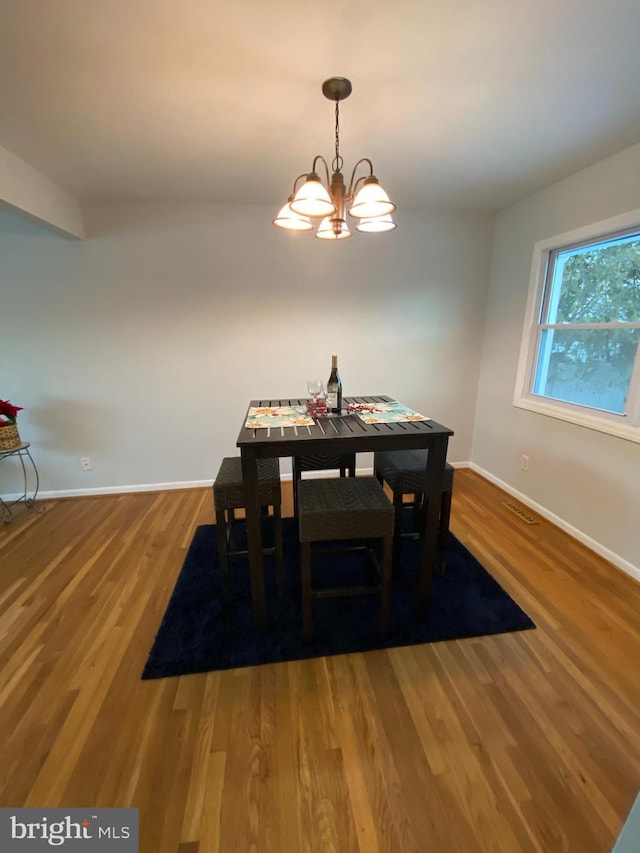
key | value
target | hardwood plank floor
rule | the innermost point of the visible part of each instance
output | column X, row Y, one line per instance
column 519, row 742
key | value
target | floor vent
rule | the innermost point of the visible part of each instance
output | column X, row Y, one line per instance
column 522, row 515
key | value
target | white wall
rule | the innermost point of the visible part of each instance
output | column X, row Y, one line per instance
column 586, row 481
column 141, row 346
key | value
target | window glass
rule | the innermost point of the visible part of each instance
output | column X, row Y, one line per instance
column 587, row 367
column 596, row 284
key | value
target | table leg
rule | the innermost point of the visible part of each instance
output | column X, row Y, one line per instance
column 254, row 536
column 436, row 460
column 6, row 511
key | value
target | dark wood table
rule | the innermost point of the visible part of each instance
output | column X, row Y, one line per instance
column 342, row 434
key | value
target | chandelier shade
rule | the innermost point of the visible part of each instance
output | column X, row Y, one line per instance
column 376, row 224
column 292, row 221
column 371, row 201
column 312, row 199
column 330, row 200
column 333, row 229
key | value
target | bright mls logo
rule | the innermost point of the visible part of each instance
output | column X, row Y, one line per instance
column 86, row 830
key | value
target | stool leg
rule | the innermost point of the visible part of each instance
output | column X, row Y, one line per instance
column 277, row 535
column 223, row 555
column 443, row 530
column 398, row 507
column 296, row 477
column 305, row 562
column 418, row 501
column 385, row 610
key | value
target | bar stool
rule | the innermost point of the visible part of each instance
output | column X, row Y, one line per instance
column 404, row 471
column 345, row 462
column 228, row 495
column 345, row 509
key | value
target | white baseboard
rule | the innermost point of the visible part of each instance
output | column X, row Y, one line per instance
column 139, row 487
column 113, row 490
column 136, row 487
column 609, row 555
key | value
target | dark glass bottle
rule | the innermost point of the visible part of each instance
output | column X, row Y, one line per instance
column 334, row 388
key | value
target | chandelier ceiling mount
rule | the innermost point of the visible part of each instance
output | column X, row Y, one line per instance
column 337, row 88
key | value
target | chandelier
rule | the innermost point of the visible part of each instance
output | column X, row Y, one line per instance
column 369, row 203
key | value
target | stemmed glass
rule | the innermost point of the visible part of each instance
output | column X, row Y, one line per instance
column 315, row 389
column 316, row 406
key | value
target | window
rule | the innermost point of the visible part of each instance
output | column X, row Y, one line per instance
column 580, row 357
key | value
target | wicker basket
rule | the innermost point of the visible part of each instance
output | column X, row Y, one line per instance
column 9, row 437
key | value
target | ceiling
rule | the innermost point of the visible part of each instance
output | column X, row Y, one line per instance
column 466, row 105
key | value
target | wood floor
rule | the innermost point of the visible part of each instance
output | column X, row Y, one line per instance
column 520, row 742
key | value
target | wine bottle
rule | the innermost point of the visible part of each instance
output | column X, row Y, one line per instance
column 334, row 388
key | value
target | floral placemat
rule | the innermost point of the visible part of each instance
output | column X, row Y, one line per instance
column 260, row 417
column 263, row 417
column 385, row 413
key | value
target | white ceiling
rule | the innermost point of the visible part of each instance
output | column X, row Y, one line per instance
column 463, row 104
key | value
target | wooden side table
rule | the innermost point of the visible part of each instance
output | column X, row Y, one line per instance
column 22, row 452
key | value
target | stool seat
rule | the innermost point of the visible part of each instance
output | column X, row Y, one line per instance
column 344, row 462
column 350, row 508
column 228, row 495
column 228, row 490
column 405, row 473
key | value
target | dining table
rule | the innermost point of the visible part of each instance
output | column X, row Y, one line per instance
column 357, row 429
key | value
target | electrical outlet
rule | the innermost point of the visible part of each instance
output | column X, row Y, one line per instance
column 85, row 461
column 524, row 462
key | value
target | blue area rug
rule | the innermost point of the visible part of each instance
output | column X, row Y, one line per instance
column 199, row 634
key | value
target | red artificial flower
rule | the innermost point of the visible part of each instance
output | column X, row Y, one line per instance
column 9, row 411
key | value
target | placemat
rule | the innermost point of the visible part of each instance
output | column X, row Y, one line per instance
column 385, row 413
column 262, row 417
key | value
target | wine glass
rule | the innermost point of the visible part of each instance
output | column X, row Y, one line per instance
column 315, row 389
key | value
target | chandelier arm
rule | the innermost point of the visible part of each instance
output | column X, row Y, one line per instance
column 352, row 187
column 325, row 164
column 356, row 186
column 295, row 184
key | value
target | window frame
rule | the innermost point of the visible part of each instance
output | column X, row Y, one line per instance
column 626, row 425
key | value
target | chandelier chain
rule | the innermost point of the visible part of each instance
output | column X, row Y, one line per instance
column 337, row 160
